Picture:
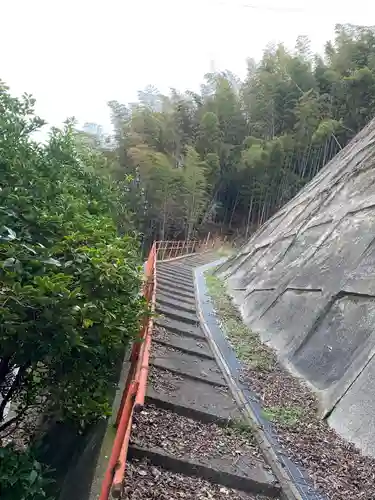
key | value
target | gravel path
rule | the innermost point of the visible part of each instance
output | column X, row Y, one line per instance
column 335, row 466
column 184, row 437
column 146, row 482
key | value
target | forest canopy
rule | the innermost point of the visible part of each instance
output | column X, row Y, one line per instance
column 226, row 158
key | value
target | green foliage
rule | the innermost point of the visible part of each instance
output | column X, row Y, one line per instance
column 325, row 129
column 289, row 416
column 195, row 188
column 245, row 342
column 250, row 350
column 241, row 427
column 21, row 476
column 69, row 296
column 209, row 134
column 259, row 140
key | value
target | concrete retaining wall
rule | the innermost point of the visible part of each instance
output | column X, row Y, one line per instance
column 306, row 282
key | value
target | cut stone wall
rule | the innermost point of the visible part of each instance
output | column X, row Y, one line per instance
column 305, row 281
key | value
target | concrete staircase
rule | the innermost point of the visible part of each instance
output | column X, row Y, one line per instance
column 191, row 424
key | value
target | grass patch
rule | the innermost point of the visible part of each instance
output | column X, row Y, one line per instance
column 250, row 350
column 245, row 342
column 225, row 251
column 241, row 427
column 289, row 416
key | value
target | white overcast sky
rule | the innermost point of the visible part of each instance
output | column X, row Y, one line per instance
column 74, row 56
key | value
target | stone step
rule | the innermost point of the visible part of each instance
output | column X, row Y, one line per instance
column 186, row 301
column 186, row 365
column 191, row 398
column 180, row 327
column 184, row 267
column 171, row 312
column 171, row 289
column 240, row 476
column 172, row 283
column 175, row 278
column 167, row 301
column 185, row 274
column 199, row 260
column 186, row 344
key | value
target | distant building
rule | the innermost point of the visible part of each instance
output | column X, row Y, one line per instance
column 99, row 138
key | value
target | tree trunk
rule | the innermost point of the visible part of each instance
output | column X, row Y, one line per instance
column 249, row 216
column 233, row 210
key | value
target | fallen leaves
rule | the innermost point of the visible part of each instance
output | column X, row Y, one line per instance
column 185, row 437
column 147, row 482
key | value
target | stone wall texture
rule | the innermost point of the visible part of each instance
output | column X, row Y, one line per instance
column 305, row 281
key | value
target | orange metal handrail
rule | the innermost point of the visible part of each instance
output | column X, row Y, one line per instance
column 119, row 439
column 144, row 366
column 134, row 392
column 114, row 476
column 118, row 478
column 166, row 249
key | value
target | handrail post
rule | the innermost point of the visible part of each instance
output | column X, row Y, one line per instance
column 165, row 249
column 119, row 438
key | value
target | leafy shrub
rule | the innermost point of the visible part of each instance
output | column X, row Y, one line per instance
column 21, row 476
column 69, row 285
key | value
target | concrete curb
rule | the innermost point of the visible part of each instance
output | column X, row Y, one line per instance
column 289, row 485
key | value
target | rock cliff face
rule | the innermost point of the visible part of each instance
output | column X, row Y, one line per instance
column 306, row 283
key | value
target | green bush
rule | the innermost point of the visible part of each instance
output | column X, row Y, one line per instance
column 69, row 285
column 21, row 476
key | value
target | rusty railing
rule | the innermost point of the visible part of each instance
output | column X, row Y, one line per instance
column 170, row 249
column 134, row 392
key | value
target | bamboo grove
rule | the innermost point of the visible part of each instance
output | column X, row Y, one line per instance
column 225, row 159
